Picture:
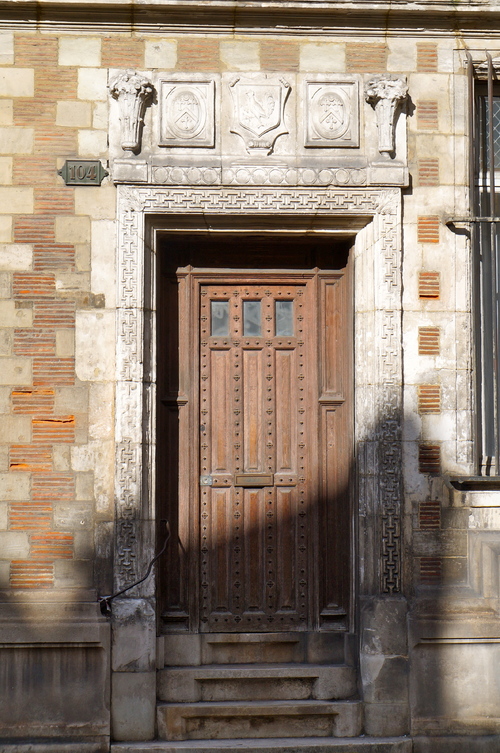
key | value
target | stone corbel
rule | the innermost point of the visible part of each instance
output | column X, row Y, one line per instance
column 133, row 93
column 386, row 94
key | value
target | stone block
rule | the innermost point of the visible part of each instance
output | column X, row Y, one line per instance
column 17, row 82
column 240, row 56
column 93, row 84
column 99, row 458
column 16, row 256
column 14, row 545
column 71, row 399
column 73, row 574
column 6, row 48
column 402, row 55
column 320, row 57
column 160, row 53
column 80, row 51
column 15, row 429
column 65, row 342
column 5, row 171
column 103, row 276
column 5, row 229
column 470, row 743
column 133, row 646
column 16, row 200
column 95, row 345
column 381, row 621
column 92, row 143
column 4, row 574
column 72, row 516
column 182, row 650
column 387, row 719
column 385, row 678
column 3, row 516
column 84, row 488
column 15, row 371
column 16, row 140
column 101, row 415
column 4, row 455
column 6, row 112
column 97, row 203
column 133, row 705
column 61, row 457
column 73, row 114
column 100, row 116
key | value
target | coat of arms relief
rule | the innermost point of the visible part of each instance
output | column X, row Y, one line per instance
column 258, row 111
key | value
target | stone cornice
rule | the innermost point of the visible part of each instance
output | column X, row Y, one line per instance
column 299, row 16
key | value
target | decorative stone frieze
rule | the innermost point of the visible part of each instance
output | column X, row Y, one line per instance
column 258, row 111
column 133, row 92
column 386, row 93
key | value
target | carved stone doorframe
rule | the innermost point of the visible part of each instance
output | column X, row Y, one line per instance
column 378, row 358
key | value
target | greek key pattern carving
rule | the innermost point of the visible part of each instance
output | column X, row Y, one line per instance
column 384, row 207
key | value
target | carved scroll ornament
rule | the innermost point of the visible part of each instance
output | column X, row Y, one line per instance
column 386, row 94
column 133, row 93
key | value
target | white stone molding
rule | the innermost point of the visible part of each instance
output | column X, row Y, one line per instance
column 386, row 94
column 187, row 114
column 378, row 357
column 332, row 113
column 133, row 92
column 259, row 110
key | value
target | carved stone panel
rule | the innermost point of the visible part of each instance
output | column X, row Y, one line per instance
column 187, row 115
column 332, row 113
column 258, row 111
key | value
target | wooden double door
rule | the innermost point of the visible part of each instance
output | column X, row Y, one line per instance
column 254, row 440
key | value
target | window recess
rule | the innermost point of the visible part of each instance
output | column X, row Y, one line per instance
column 484, row 197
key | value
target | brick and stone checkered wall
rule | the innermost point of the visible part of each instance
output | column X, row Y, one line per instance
column 57, row 279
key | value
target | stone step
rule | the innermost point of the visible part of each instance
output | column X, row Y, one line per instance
column 257, row 682
column 250, row 648
column 273, row 745
column 254, row 719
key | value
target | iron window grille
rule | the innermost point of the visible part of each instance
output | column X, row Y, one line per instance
column 484, row 182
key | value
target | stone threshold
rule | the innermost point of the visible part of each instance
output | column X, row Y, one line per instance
column 276, row 745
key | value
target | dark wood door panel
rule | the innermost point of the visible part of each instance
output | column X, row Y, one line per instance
column 255, row 446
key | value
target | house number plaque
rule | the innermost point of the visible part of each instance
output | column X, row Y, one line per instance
column 82, row 172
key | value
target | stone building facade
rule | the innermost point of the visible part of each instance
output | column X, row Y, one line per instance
column 336, row 153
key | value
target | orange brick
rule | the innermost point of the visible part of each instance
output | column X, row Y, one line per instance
column 428, row 341
column 30, row 229
column 120, row 52
column 428, row 229
column 34, row 342
column 54, row 200
column 35, row 50
column 431, row 570
column 33, row 402
column 428, row 172
column 54, row 83
column 54, row 429
column 427, row 58
column 56, row 141
column 58, row 487
column 30, row 516
column 279, row 56
column 35, row 170
column 51, row 546
column 33, row 112
column 429, row 515
column 195, row 54
column 427, row 114
column 27, row 574
column 429, row 398
column 57, row 314
column 429, row 458
column 366, row 58
column 429, row 285
column 54, row 256
column 49, row 371
column 34, row 458
column 33, row 285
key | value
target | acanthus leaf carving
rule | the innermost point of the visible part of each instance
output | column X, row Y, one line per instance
column 386, row 94
column 133, row 93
